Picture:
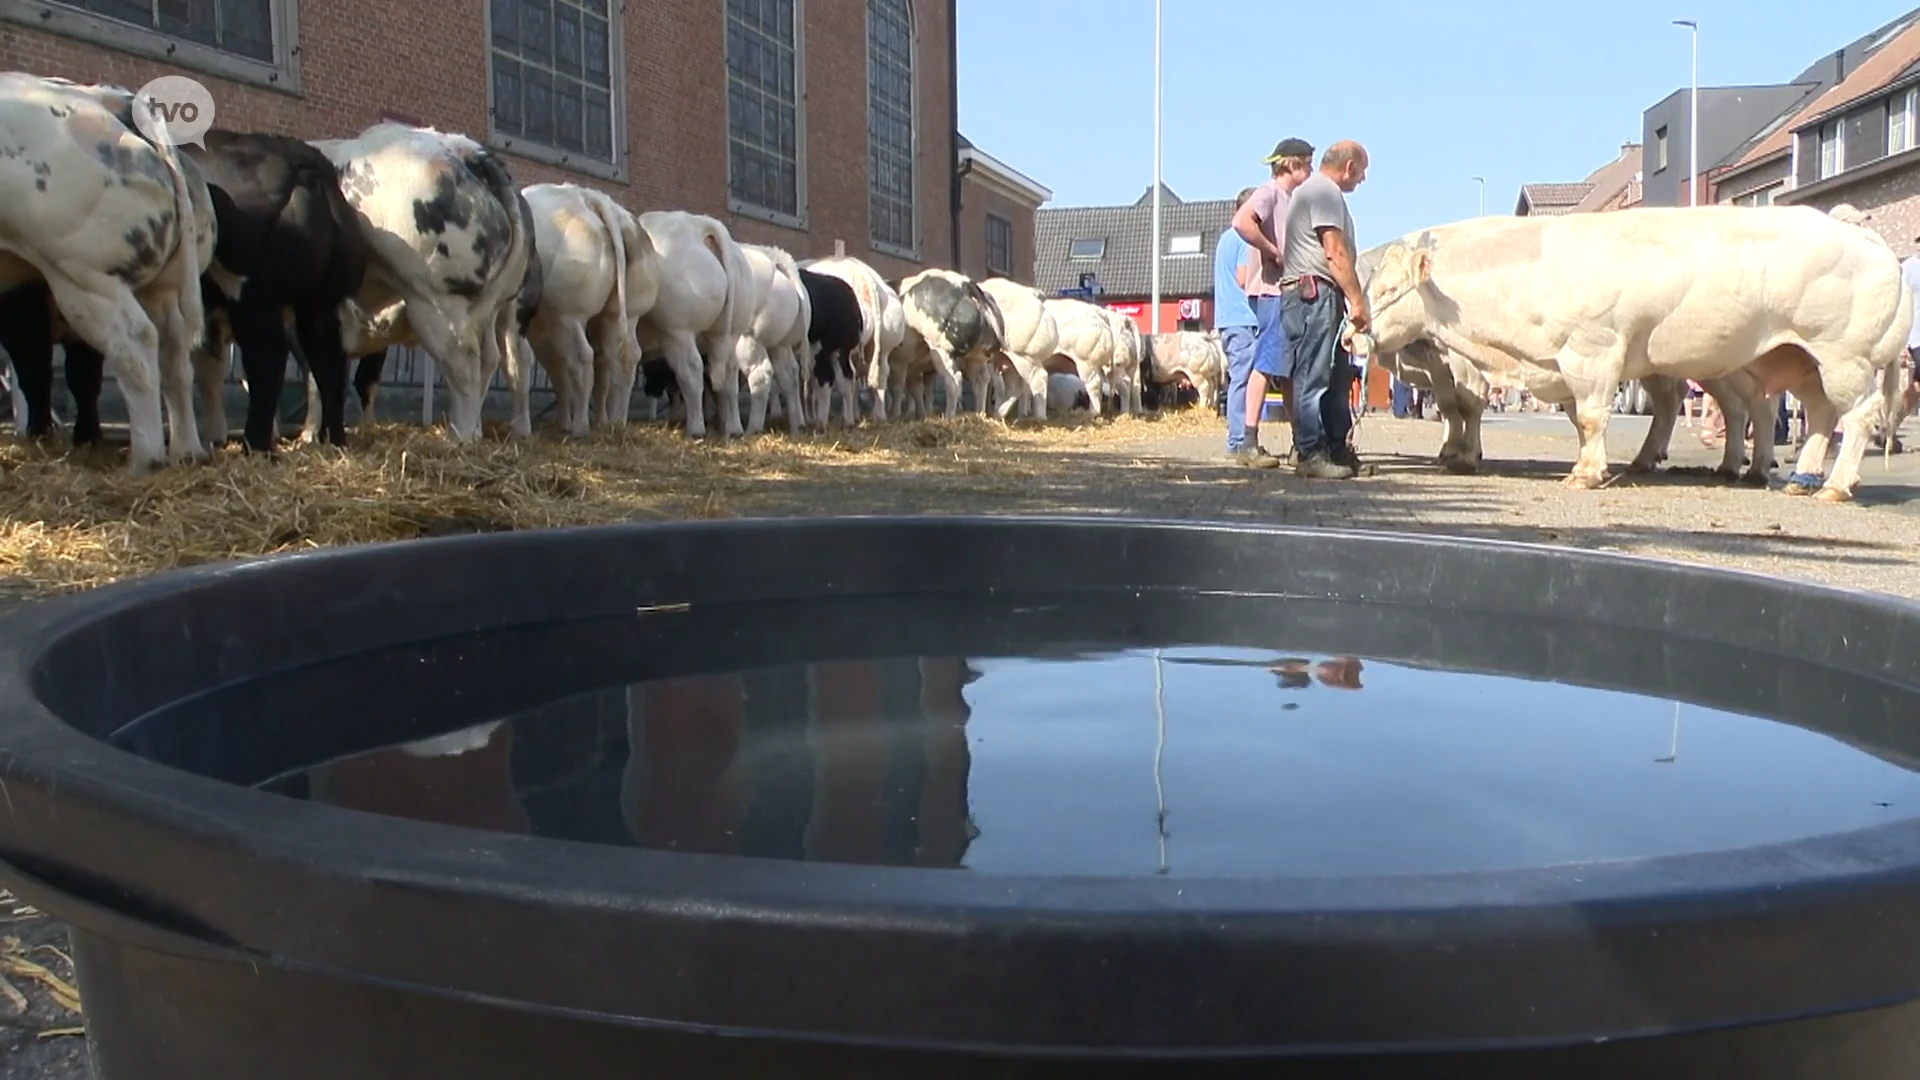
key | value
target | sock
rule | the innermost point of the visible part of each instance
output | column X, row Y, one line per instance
column 1252, row 437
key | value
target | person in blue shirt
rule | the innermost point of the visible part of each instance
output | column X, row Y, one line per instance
column 1233, row 317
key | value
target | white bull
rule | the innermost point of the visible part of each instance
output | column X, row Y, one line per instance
column 779, row 335
column 1031, row 339
column 441, row 214
column 599, row 274
column 1086, row 339
column 1802, row 301
column 109, row 221
column 1195, row 356
column 707, row 302
column 1129, row 348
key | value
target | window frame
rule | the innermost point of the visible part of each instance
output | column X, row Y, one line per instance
column 1006, row 269
column 59, row 18
column 1907, row 111
column 1075, row 242
column 615, row 170
column 799, row 218
column 1838, row 126
column 912, row 249
column 1172, row 240
column 1660, row 147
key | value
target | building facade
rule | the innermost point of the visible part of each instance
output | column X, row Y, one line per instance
column 997, row 206
column 1735, row 120
column 1858, row 143
column 808, row 124
column 1110, row 250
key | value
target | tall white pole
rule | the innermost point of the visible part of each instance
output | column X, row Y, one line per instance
column 1693, row 116
column 1157, row 241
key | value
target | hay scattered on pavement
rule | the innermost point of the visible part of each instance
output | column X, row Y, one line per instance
column 71, row 520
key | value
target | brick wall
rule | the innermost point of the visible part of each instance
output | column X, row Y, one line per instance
column 977, row 200
column 429, row 63
column 1891, row 202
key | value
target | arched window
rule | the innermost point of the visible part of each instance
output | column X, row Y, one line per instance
column 890, row 126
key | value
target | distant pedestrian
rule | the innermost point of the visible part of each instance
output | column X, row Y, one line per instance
column 1321, row 289
column 1259, row 222
column 1233, row 317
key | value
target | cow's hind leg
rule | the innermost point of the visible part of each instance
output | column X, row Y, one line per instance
column 317, row 327
column 1856, row 383
column 104, row 313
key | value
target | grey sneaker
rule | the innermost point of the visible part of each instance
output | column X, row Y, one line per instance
column 1321, row 467
column 1255, row 456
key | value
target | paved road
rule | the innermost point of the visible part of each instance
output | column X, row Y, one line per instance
column 1678, row 513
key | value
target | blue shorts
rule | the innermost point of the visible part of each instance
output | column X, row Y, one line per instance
column 1271, row 357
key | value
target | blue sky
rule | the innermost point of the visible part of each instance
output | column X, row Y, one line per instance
column 1439, row 92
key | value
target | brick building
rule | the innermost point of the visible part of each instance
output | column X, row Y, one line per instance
column 997, row 208
column 1856, row 143
column 797, row 123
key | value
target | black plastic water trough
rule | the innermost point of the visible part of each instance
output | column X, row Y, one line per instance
column 221, row 931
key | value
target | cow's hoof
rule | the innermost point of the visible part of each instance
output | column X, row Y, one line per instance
column 1460, row 466
column 1727, row 476
column 1579, row 482
column 1833, row 495
column 1793, row 488
column 1639, row 468
column 1754, row 479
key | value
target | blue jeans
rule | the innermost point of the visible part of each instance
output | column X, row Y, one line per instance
column 1322, row 372
column 1270, row 358
column 1238, row 343
column 1402, row 399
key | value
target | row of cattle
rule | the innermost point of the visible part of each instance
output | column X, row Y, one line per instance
column 152, row 260
column 1750, row 302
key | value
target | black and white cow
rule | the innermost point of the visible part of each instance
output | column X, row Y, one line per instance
column 103, row 239
column 953, row 328
column 835, row 328
column 450, row 246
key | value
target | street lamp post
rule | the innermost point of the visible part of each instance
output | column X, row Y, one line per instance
column 1157, row 242
column 1482, row 181
column 1693, row 116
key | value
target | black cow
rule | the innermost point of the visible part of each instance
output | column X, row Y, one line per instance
column 287, row 230
column 835, row 325
column 26, row 332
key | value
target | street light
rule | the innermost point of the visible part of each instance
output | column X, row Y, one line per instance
column 1157, row 242
column 1482, row 181
column 1693, row 119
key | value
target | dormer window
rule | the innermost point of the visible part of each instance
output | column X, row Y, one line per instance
column 1088, row 249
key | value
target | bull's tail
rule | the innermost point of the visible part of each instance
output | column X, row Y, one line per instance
column 188, row 262
column 610, row 213
column 995, row 318
column 716, row 239
column 783, row 264
column 1890, row 397
column 498, row 181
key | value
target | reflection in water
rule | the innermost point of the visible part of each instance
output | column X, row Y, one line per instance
column 1183, row 762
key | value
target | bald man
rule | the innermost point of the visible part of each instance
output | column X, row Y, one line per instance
column 1321, row 287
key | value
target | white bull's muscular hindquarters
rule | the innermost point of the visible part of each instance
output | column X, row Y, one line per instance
column 1030, row 339
column 1086, row 340
column 107, row 220
column 707, row 303
column 449, row 253
column 1801, row 301
column 1189, row 355
column 598, row 277
column 953, row 324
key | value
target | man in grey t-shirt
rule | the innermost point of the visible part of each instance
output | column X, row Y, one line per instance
column 1320, row 287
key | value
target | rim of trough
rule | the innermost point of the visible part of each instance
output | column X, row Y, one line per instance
column 965, row 960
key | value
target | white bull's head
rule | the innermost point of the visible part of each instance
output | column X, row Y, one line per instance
column 1396, row 293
